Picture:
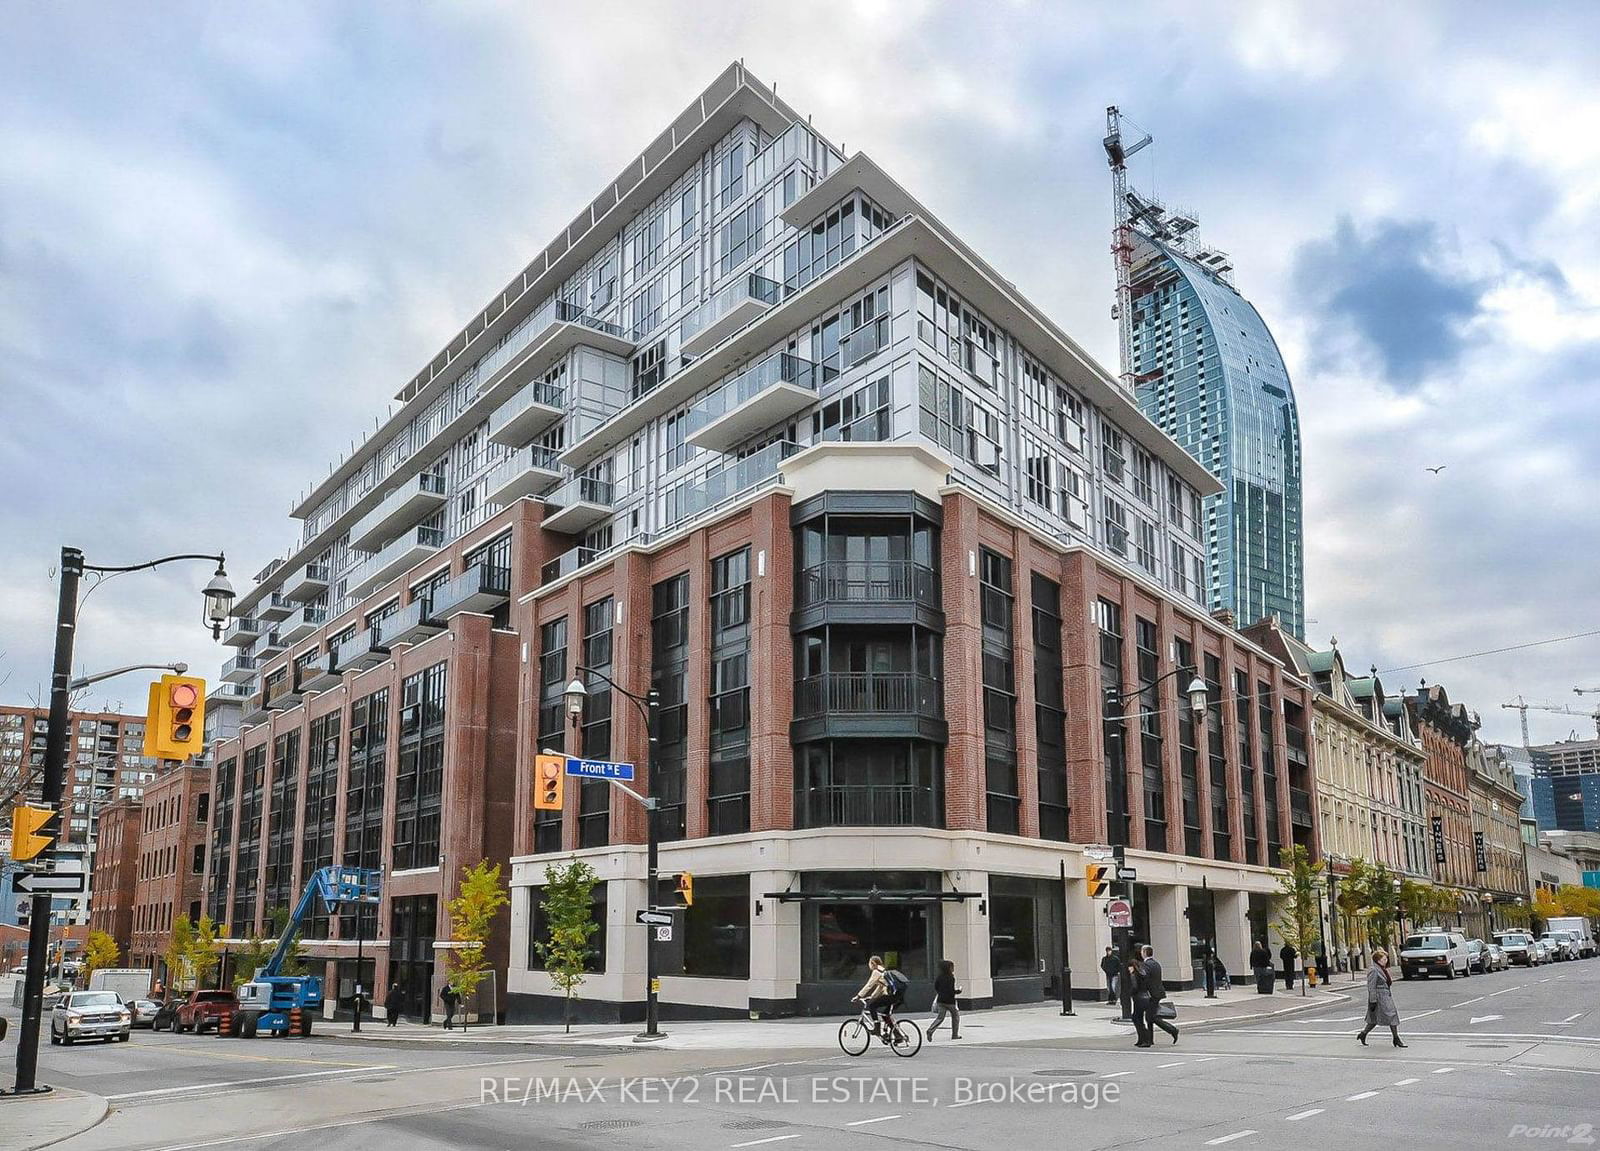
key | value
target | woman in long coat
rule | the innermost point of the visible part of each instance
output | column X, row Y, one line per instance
column 1380, row 999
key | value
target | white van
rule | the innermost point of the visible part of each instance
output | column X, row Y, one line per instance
column 1433, row 951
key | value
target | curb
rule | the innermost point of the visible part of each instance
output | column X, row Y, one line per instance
column 98, row 1105
column 1322, row 999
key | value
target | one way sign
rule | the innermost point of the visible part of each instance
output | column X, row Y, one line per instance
column 57, row 882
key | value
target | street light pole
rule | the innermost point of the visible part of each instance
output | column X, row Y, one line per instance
column 648, row 704
column 218, row 597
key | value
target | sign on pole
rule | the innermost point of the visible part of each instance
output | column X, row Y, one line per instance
column 1127, row 874
column 1119, row 913
column 1098, row 851
column 664, row 934
column 60, row 882
column 655, row 918
column 599, row 769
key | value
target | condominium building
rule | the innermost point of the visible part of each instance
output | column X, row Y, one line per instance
column 918, row 587
column 1566, row 785
column 1369, row 762
column 174, row 831
column 1209, row 373
column 105, row 761
column 115, row 878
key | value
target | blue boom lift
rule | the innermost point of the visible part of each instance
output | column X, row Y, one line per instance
column 284, row 1004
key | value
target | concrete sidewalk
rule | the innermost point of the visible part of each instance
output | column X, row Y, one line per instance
column 1035, row 1022
column 32, row 1121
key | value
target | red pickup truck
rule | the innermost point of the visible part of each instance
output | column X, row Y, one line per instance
column 198, row 1012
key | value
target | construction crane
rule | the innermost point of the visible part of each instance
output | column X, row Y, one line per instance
column 1521, row 705
column 1586, row 691
column 1123, row 213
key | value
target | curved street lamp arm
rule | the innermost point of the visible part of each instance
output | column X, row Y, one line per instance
column 643, row 702
column 154, row 563
column 85, row 681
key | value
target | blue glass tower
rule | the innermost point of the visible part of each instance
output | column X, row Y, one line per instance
column 1208, row 372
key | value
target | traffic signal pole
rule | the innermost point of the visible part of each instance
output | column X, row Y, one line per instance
column 55, row 767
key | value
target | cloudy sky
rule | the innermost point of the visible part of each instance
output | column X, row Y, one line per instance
column 229, row 232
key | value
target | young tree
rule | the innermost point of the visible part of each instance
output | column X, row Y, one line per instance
column 1576, row 899
column 202, row 957
column 99, row 951
column 254, row 954
column 472, row 916
column 568, row 914
column 1381, row 902
column 1299, row 921
column 1545, row 905
column 180, row 947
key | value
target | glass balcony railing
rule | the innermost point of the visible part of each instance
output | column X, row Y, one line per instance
column 555, row 312
column 582, row 490
column 749, row 288
column 778, row 368
column 567, row 562
column 689, row 500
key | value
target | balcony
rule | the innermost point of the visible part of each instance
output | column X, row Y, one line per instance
column 578, row 505
column 286, row 693
column 867, row 805
column 535, row 347
column 868, row 582
column 566, row 563
column 526, row 414
column 271, row 643
column 322, row 675
column 303, row 622
column 689, row 500
column 306, row 582
column 1299, row 807
column 772, row 391
column 241, row 669
column 241, row 631
column 1296, row 740
column 255, row 708
column 274, row 608
column 366, row 649
column 411, row 624
column 230, row 692
column 530, row 471
column 868, row 704
column 480, row 589
column 410, row 549
column 414, row 500
column 730, row 309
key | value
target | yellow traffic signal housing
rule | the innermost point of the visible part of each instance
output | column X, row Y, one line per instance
column 686, row 889
column 29, row 835
column 1098, row 877
column 549, row 782
column 174, row 728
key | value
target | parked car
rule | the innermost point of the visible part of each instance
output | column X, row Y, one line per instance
column 144, row 1012
column 1578, row 926
column 1498, row 959
column 1435, row 953
column 1543, row 951
column 202, row 1009
column 90, row 1015
column 1565, row 943
column 1478, row 956
column 1519, row 947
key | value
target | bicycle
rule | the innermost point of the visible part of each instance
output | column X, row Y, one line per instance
column 904, row 1037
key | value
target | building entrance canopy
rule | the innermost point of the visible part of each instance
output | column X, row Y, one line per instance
column 874, row 895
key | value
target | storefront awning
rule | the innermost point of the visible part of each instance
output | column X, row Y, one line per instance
column 873, row 895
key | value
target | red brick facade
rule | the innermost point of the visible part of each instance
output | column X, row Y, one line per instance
column 116, row 873
column 174, row 829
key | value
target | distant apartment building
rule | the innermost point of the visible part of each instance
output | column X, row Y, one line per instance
column 1566, row 785
column 175, row 819
column 105, row 762
column 115, row 878
column 918, row 587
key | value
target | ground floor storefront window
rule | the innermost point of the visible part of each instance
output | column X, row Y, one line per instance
column 843, row 925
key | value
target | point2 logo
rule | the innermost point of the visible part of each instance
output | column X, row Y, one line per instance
column 1580, row 1133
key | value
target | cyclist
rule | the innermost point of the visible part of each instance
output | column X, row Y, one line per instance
column 883, row 991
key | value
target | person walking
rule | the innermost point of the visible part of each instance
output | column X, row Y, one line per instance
column 1109, row 965
column 1261, row 967
column 393, row 1001
column 944, row 1000
column 1380, row 999
column 1288, row 954
column 1134, row 976
column 449, row 997
column 1156, row 992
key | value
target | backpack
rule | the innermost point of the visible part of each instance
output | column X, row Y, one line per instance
column 896, row 983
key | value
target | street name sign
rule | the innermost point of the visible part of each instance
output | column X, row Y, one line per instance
column 63, row 882
column 657, row 918
column 599, row 769
column 1098, row 851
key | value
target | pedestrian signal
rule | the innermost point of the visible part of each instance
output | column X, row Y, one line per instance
column 1098, row 877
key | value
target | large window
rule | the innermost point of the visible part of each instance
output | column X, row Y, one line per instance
column 221, row 840
column 594, row 959
column 1149, row 726
column 1221, row 835
column 999, row 693
column 552, row 720
column 1049, row 715
column 1188, row 751
column 669, row 675
column 363, row 799
column 1114, row 728
column 280, row 884
column 594, row 795
column 1247, row 770
column 246, row 880
column 716, row 930
column 321, row 808
column 729, row 796
column 869, row 783
column 840, row 934
column 419, row 775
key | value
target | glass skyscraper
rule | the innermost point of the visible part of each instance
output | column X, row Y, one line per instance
column 1207, row 370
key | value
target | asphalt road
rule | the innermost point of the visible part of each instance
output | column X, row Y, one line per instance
column 1487, row 1057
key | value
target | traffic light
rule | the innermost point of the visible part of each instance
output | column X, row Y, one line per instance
column 549, row 782
column 686, row 889
column 1098, row 877
column 28, row 834
column 174, row 727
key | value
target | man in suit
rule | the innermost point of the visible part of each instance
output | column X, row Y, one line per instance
column 1155, row 991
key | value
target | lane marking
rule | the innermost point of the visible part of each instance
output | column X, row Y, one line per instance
column 1164, row 1066
column 968, row 1103
column 768, row 1139
column 1425, row 1014
column 1477, row 1019
column 1359, row 1095
column 357, row 1121
column 1115, row 1074
column 879, row 1119
column 242, row 1082
column 1464, row 1002
column 1304, row 1115
column 1443, row 1070
column 1567, row 1022
column 1507, row 991
column 1406, row 1082
column 1228, row 1138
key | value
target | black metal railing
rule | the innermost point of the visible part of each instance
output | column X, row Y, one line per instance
column 868, row 693
column 867, row 805
column 869, row 581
